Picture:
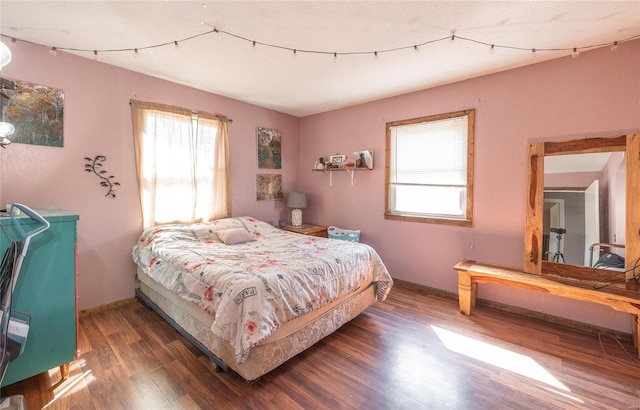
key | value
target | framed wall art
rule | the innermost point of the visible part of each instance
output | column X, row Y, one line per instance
column 337, row 160
column 36, row 111
column 269, row 187
column 364, row 158
column 269, row 148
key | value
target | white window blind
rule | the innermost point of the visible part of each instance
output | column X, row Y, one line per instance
column 428, row 173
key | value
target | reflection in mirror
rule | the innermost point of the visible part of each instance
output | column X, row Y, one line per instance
column 584, row 209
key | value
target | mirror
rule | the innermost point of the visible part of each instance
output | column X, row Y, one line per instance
column 584, row 209
column 559, row 241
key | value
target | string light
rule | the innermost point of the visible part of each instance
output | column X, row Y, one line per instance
column 53, row 51
column 533, row 53
column 451, row 38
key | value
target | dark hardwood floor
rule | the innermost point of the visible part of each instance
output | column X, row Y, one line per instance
column 413, row 351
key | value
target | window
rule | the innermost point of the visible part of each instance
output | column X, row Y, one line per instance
column 429, row 177
column 182, row 161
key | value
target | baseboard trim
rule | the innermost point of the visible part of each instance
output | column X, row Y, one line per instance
column 108, row 306
column 560, row 321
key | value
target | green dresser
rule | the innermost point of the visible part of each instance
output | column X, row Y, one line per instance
column 46, row 290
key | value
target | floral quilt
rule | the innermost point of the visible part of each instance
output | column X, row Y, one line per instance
column 254, row 287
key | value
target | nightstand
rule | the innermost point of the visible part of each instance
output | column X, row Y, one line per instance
column 308, row 229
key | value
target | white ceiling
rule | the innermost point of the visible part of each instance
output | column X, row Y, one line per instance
column 310, row 83
column 591, row 162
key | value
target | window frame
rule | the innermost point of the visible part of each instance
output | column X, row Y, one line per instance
column 430, row 218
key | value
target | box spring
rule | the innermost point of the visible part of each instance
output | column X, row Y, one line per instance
column 289, row 340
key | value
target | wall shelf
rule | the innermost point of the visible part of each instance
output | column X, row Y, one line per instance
column 330, row 171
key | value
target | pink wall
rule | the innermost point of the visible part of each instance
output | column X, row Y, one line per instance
column 597, row 94
column 98, row 122
column 571, row 179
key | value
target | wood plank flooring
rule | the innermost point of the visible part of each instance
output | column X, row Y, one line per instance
column 413, row 351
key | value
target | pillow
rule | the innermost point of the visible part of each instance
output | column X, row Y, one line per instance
column 205, row 234
column 206, row 231
column 234, row 236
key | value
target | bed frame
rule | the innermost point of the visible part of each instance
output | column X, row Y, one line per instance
column 292, row 338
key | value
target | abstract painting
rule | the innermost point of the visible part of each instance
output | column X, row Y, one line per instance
column 36, row 111
column 269, row 187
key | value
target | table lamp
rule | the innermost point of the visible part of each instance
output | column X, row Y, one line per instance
column 296, row 200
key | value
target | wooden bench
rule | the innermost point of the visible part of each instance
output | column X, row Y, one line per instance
column 471, row 273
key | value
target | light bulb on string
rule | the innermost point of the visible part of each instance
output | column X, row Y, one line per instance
column 451, row 38
column 135, row 52
column 53, row 51
column 534, row 53
column 375, row 56
column 335, row 57
column 295, row 53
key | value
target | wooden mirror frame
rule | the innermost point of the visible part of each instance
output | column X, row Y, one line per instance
column 533, row 262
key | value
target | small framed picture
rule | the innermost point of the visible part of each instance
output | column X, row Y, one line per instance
column 269, row 187
column 337, row 160
column 364, row 159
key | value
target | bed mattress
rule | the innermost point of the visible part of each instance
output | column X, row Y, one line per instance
column 255, row 287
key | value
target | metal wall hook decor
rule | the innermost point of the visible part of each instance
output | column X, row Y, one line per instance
column 94, row 165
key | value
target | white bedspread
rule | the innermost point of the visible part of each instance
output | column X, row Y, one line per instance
column 254, row 287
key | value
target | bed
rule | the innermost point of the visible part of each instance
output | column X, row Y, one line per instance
column 250, row 295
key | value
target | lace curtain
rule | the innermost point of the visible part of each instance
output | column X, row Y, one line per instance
column 182, row 159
